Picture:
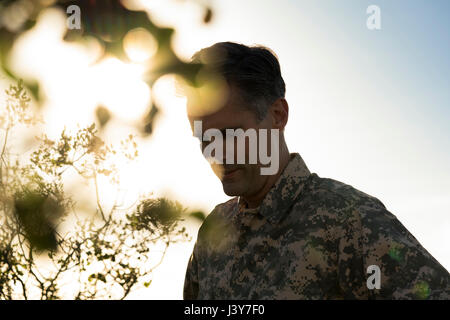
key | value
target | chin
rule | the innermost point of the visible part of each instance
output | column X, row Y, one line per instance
column 233, row 189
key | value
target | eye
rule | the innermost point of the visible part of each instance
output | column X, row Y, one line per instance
column 239, row 132
column 236, row 133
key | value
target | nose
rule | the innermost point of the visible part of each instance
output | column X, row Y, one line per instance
column 220, row 152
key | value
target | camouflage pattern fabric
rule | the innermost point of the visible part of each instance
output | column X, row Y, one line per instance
column 311, row 238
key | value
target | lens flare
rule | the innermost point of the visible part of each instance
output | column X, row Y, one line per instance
column 139, row 45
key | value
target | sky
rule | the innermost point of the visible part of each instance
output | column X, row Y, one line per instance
column 370, row 108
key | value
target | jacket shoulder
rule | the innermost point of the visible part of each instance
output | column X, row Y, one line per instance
column 337, row 194
column 218, row 219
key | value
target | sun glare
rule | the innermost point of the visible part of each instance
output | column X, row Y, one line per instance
column 139, row 45
column 118, row 85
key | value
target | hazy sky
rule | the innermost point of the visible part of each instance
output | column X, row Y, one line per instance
column 370, row 108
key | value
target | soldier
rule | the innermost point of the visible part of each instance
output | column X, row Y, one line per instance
column 293, row 234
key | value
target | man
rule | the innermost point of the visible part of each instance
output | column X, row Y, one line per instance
column 291, row 234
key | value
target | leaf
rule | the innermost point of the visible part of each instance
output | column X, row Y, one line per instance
column 198, row 215
column 37, row 213
column 103, row 115
column 208, row 15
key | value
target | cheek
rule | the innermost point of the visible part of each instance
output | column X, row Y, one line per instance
column 252, row 173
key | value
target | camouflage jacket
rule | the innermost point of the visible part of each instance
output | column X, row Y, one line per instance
column 311, row 238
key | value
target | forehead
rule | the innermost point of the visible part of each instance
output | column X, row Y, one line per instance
column 231, row 112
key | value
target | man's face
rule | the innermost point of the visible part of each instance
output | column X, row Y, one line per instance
column 237, row 179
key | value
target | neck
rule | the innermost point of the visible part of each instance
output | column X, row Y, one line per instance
column 256, row 199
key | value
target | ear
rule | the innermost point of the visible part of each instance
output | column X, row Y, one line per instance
column 280, row 113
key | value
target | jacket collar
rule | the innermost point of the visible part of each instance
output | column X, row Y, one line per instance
column 281, row 197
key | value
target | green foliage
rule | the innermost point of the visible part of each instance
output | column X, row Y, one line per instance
column 156, row 213
column 199, row 215
column 37, row 213
column 107, row 22
column 16, row 108
column 103, row 256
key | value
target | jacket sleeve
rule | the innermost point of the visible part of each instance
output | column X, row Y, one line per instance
column 190, row 291
column 373, row 242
